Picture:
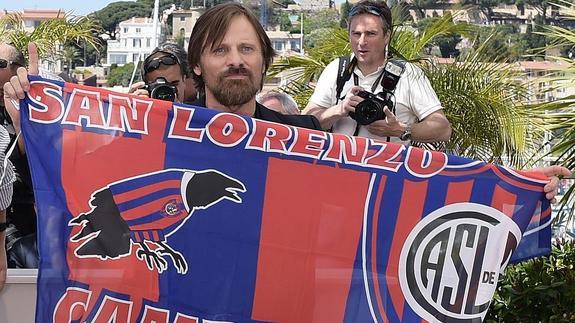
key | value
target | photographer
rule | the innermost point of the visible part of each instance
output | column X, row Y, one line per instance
column 415, row 112
column 164, row 73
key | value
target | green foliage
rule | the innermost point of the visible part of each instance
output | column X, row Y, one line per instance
column 325, row 18
column 447, row 44
column 344, row 10
column 537, row 290
column 50, row 32
column 116, row 12
column 285, row 22
column 69, row 54
column 180, row 38
column 412, row 47
column 484, row 104
column 559, row 115
column 120, row 75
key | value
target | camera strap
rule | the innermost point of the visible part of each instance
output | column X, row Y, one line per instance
column 344, row 71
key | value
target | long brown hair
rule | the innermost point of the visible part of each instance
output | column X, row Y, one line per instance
column 211, row 28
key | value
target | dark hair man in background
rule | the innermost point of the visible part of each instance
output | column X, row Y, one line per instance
column 418, row 113
column 229, row 54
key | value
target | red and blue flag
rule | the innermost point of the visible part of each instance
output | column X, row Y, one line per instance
column 150, row 211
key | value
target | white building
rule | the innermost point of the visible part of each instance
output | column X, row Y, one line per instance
column 134, row 38
column 314, row 4
column 285, row 43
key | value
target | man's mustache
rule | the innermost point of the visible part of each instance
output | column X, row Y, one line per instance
column 235, row 71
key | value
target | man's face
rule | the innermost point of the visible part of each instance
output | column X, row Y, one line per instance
column 5, row 73
column 172, row 74
column 233, row 70
column 368, row 40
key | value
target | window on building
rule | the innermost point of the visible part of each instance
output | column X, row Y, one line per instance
column 36, row 23
column 136, row 42
column 117, row 59
column 138, row 30
column 278, row 45
column 294, row 45
column 135, row 57
column 148, row 42
column 182, row 18
column 125, row 30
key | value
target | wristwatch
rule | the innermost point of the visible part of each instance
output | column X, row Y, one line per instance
column 406, row 135
column 3, row 226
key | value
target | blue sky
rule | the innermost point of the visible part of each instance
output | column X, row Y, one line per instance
column 79, row 7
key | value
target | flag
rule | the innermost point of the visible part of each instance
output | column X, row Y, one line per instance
column 150, row 211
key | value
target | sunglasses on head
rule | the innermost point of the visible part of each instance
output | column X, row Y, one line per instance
column 155, row 62
column 359, row 9
column 4, row 63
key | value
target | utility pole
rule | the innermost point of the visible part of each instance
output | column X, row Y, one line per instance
column 155, row 24
column 301, row 34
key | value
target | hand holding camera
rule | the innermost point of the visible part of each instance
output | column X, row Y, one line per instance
column 351, row 100
column 159, row 89
column 372, row 107
column 139, row 89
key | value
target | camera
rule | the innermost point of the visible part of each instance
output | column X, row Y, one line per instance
column 162, row 89
column 371, row 108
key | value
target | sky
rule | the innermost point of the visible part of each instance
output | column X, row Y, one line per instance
column 80, row 8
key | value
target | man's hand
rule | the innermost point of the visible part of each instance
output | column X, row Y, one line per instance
column 553, row 172
column 139, row 90
column 349, row 103
column 389, row 127
column 328, row 116
column 15, row 89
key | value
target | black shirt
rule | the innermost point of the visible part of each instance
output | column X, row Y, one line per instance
column 263, row 113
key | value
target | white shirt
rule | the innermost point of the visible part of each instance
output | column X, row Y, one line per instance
column 415, row 98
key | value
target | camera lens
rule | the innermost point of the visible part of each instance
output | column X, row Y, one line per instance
column 368, row 111
column 163, row 92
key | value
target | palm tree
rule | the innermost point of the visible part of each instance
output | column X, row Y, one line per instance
column 559, row 115
column 483, row 101
column 69, row 54
column 50, row 33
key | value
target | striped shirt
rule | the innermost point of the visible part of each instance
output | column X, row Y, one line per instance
column 7, row 174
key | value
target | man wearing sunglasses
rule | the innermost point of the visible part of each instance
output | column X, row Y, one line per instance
column 418, row 113
column 10, row 59
column 164, row 73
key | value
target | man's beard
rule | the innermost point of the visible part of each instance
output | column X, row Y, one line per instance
column 231, row 92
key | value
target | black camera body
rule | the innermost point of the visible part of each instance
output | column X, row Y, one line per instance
column 371, row 108
column 161, row 89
